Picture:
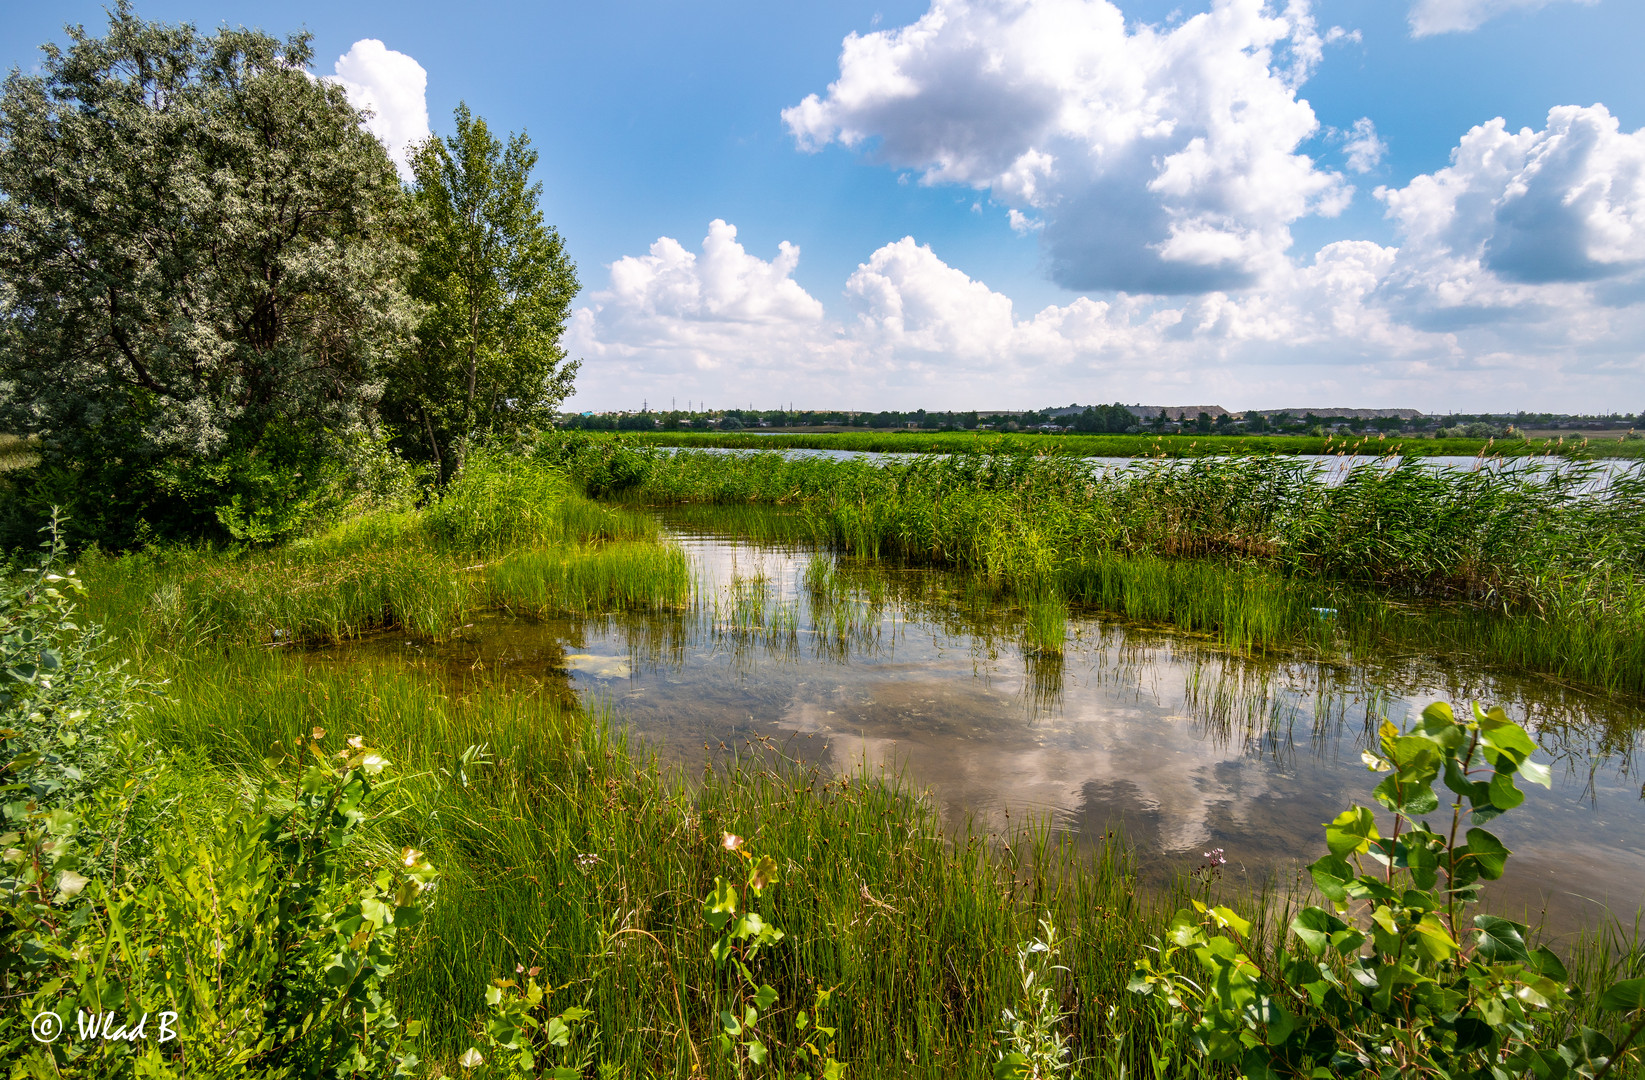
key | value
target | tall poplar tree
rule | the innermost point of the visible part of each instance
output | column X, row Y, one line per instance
column 496, row 286
column 199, row 278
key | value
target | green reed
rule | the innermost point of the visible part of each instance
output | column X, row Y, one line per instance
column 1535, row 568
column 1138, row 445
column 508, row 534
column 561, row 846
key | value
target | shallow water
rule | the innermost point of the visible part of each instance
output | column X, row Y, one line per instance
column 1333, row 467
column 1180, row 744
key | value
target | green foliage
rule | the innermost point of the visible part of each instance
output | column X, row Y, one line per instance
column 496, row 286
column 1391, row 980
column 1536, row 566
column 249, row 933
column 742, row 1001
column 198, row 246
column 1035, row 1047
column 518, row 1042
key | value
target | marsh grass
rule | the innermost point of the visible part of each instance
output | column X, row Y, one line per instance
column 563, row 846
column 507, row 534
column 1539, row 569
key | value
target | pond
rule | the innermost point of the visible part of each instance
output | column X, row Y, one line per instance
column 1182, row 746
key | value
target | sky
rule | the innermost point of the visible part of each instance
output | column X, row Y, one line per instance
column 975, row 204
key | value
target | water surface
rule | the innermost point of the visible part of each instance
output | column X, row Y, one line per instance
column 1184, row 746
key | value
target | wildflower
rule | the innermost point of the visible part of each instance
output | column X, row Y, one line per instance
column 731, row 841
column 585, row 863
column 319, row 733
column 1214, row 858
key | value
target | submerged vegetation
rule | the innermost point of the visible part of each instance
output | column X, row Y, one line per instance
column 1539, row 568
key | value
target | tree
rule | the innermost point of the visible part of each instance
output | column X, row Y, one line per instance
column 497, row 286
column 198, row 279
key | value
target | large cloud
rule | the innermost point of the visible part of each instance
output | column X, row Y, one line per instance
column 1161, row 161
column 391, row 85
column 1360, row 321
column 1521, row 221
column 673, row 320
column 1449, row 16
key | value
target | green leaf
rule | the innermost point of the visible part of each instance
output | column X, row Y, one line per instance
column 1331, row 876
column 1229, row 919
column 1546, row 964
column 1537, row 773
column 765, row 998
column 1012, row 1066
column 1624, row 996
column 1433, row 941
column 756, row 1052
column 558, row 1033
column 1500, row 940
column 1351, row 831
column 1438, row 714
column 1504, row 795
column 1314, row 926
column 1487, row 852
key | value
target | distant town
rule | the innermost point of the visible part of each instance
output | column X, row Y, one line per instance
column 1128, row 419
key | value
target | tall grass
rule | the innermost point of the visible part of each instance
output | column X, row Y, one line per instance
column 507, row 534
column 1534, row 568
column 563, row 847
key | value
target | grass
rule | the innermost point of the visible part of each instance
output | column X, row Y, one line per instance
column 1534, row 569
column 509, row 535
column 915, row 926
column 564, row 847
column 957, row 442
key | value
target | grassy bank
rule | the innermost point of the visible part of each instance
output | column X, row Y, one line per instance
column 1172, row 446
column 1540, row 570
column 509, row 535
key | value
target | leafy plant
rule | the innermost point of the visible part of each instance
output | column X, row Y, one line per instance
column 1034, row 1045
column 517, row 1038
column 1391, row 980
column 739, row 1006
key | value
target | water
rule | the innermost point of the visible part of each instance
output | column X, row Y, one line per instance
column 1184, row 747
column 1332, row 466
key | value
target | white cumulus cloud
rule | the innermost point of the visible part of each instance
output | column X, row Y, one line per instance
column 1159, row 160
column 392, row 86
column 1451, row 16
column 1430, row 324
column 1524, row 224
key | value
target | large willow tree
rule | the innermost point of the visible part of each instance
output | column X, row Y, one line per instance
column 199, row 278
column 496, row 288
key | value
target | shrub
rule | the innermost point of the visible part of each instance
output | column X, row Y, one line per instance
column 1390, row 980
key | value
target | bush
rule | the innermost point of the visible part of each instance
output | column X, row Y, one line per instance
column 1391, row 981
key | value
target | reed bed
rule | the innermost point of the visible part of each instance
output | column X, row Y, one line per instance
column 1531, row 568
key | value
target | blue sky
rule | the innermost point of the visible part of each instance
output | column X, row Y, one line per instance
column 1198, row 216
